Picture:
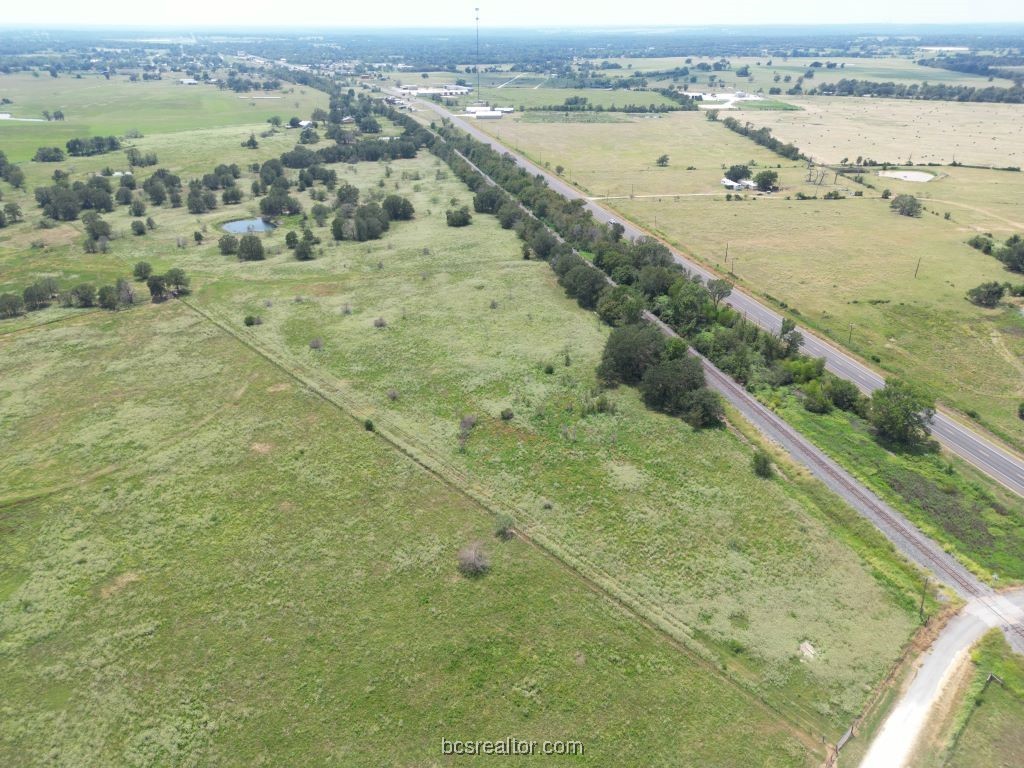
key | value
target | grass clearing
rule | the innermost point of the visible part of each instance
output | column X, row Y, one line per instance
column 226, row 570
column 95, row 106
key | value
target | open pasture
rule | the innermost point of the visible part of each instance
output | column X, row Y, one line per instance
column 208, row 564
column 830, row 129
column 619, row 159
column 94, row 106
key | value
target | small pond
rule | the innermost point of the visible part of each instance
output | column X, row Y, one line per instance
column 245, row 226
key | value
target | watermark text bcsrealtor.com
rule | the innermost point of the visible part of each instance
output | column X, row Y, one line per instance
column 510, row 745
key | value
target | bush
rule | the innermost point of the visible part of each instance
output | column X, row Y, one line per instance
column 504, row 525
column 250, row 248
column 762, row 464
column 473, row 560
column 987, row 294
column 380, row 322
column 460, row 217
column 11, row 305
column 316, row 343
column 507, row 414
column 1020, row 411
column 228, row 245
column 251, row 320
column 138, row 228
column 368, row 425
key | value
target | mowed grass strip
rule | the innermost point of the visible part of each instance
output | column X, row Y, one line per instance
column 258, row 579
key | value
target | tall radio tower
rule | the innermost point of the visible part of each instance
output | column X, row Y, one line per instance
column 479, row 97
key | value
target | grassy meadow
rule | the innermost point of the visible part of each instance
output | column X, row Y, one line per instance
column 188, row 458
column 95, row 106
column 209, row 564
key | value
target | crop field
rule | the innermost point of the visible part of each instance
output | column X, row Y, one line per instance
column 762, row 75
column 665, row 517
column 900, row 131
column 205, row 563
column 94, row 106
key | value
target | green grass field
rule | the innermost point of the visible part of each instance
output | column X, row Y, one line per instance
column 212, row 565
column 668, row 520
column 95, row 106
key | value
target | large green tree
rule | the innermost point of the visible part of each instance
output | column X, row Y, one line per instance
column 901, row 413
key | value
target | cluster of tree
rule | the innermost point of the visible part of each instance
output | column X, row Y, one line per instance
column 44, row 292
column 94, row 145
column 57, row 115
column 582, row 104
column 248, row 248
column 906, row 205
column 762, row 136
column 48, row 155
column 685, row 102
column 161, row 187
column 924, row 91
column 985, row 64
column 303, row 247
column 11, row 214
column 11, row 173
column 138, row 159
column 64, row 202
column 1011, row 254
column 241, row 84
column 369, row 221
column 670, row 379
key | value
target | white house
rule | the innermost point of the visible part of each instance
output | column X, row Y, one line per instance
column 188, row 81
column 735, row 186
column 488, row 114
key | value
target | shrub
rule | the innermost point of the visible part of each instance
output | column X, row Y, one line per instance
column 762, row 464
column 368, row 425
column 228, row 245
column 138, row 228
column 316, row 343
column 987, row 294
column 473, row 560
column 392, row 395
column 507, row 414
column 380, row 322
column 397, row 208
column 1020, row 411
column 251, row 320
column 250, row 248
column 459, row 217
column 549, row 369
column 504, row 525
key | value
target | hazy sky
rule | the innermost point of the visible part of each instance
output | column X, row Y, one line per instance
column 528, row 13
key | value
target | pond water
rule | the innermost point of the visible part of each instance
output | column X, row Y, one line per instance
column 245, row 226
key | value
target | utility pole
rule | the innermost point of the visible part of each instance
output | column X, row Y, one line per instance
column 917, row 267
column 479, row 95
column 849, row 339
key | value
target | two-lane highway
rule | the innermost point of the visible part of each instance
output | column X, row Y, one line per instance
column 979, row 450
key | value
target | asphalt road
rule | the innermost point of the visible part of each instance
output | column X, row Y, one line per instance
column 994, row 460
